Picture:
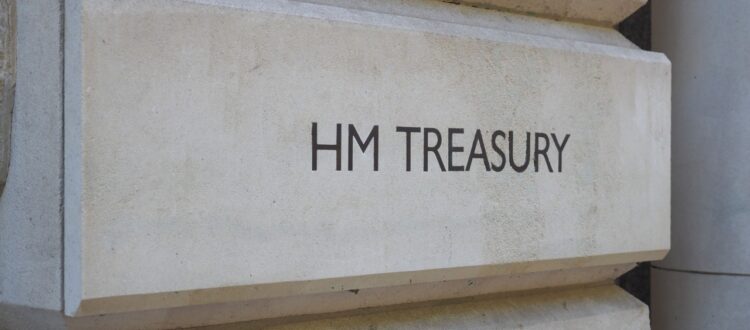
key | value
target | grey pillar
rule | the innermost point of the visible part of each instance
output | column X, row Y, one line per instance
column 704, row 283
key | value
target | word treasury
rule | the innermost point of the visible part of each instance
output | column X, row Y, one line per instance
column 436, row 150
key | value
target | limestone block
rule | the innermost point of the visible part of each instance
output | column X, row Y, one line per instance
column 192, row 176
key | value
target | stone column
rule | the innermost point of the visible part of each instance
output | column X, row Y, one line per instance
column 705, row 280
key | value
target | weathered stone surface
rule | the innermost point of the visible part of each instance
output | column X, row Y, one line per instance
column 188, row 152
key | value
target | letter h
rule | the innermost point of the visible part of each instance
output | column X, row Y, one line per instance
column 316, row 146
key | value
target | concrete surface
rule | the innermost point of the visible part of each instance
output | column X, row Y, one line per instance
column 190, row 152
column 30, row 207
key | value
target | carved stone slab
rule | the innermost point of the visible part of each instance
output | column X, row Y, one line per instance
column 214, row 152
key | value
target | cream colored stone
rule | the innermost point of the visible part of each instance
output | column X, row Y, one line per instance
column 279, row 299
column 607, row 307
column 599, row 307
column 187, row 152
column 290, row 309
column 480, row 17
column 606, row 12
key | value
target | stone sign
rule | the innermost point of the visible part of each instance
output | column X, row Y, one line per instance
column 223, row 151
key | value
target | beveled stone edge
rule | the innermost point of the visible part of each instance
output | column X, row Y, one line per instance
column 425, row 16
column 555, row 272
column 245, row 316
column 560, row 299
column 581, row 11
